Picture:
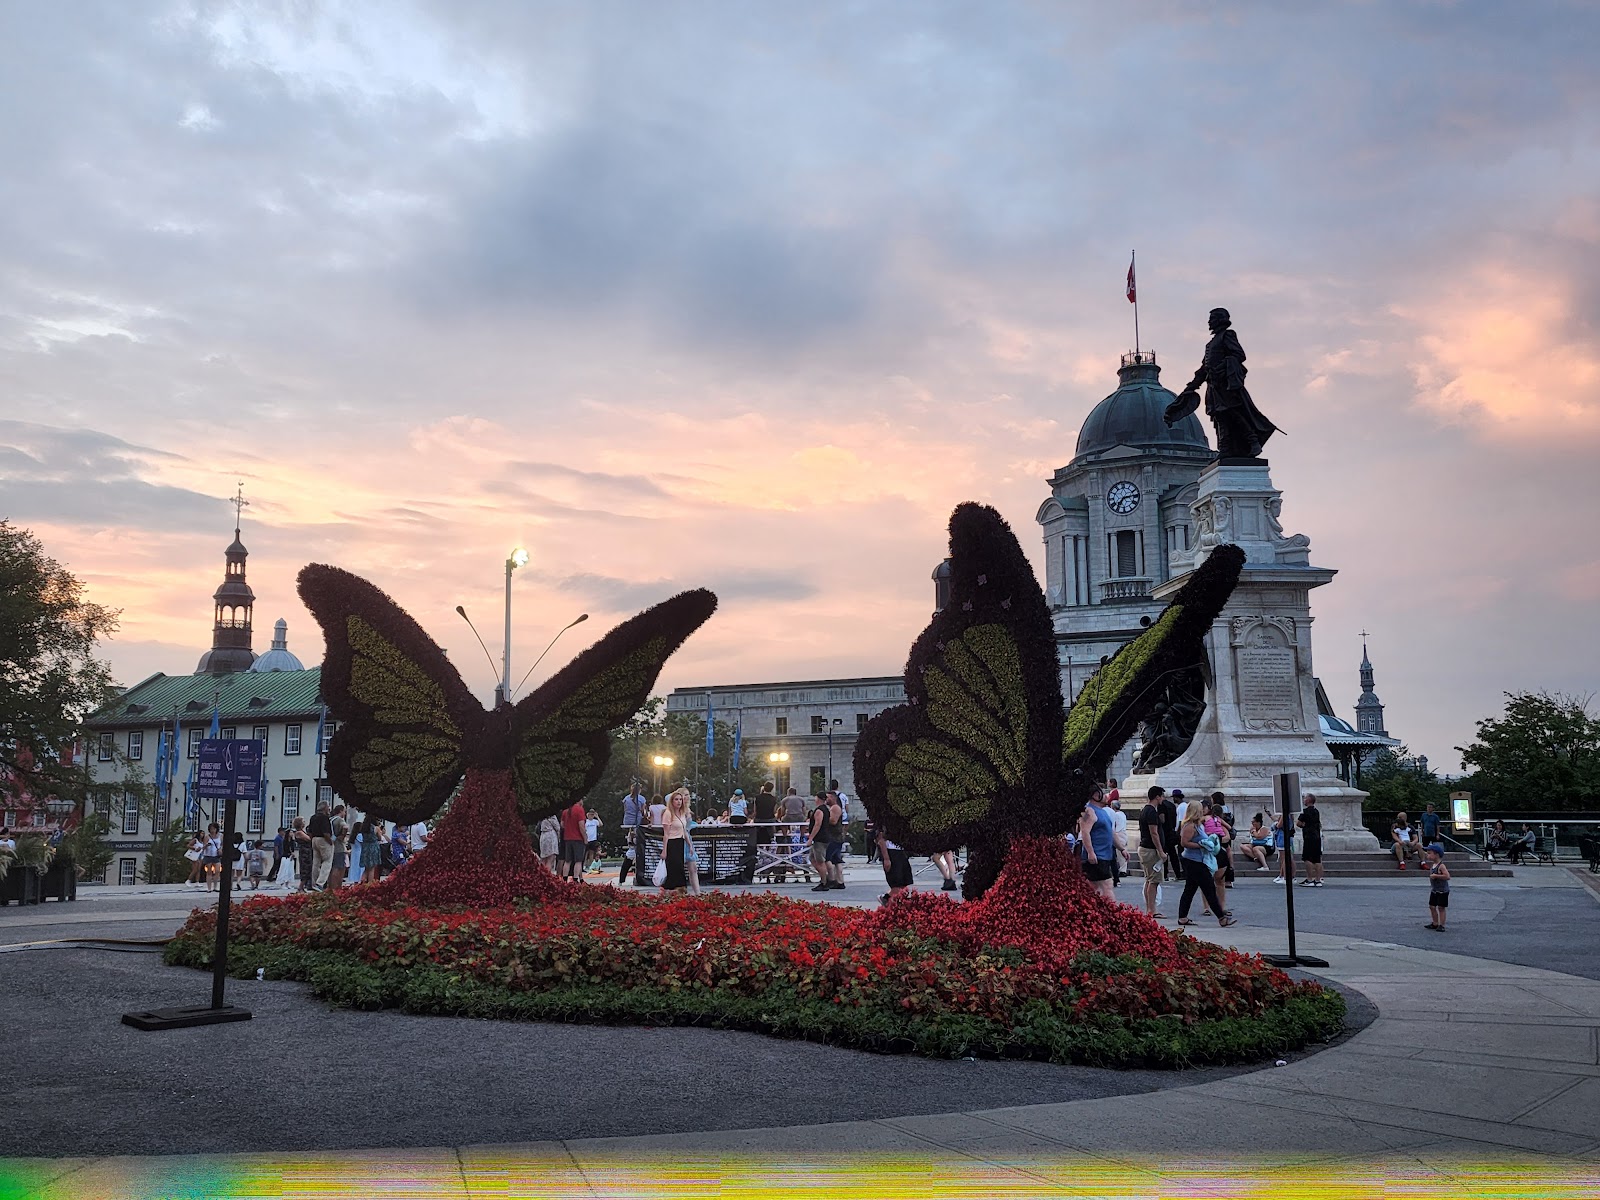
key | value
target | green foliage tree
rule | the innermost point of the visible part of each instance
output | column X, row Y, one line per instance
column 1542, row 754
column 49, row 677
column 1394, row 781
column 653, row 732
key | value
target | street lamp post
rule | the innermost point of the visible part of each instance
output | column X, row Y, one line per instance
column 661, row 761
column 778, row 760
column 502, row 694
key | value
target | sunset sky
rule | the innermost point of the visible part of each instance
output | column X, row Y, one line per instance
column 750, row 295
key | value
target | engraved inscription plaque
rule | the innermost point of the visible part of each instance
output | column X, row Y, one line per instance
column 1269, row 688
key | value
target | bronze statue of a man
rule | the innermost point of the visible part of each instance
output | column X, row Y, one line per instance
column 1242, row 430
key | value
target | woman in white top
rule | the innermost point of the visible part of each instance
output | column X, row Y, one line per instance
column 657, row 811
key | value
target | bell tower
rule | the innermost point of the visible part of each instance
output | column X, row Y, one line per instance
column 234, row 605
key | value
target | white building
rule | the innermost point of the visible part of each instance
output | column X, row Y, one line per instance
column 271, row 697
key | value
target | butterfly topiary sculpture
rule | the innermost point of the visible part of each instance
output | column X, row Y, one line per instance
column 410, row 731
column 982, row 751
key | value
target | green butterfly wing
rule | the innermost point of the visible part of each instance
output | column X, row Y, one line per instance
column 973, row 754
column 560, row 734
column 1117, row 697
column 406, row 719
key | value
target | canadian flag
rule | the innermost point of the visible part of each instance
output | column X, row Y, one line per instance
column 1133, row 295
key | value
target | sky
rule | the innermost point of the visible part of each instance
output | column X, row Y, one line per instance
column 751, row 295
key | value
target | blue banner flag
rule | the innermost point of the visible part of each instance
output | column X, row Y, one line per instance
column 172, row 747
column 711, row 731
column 738, row 736
column 216, row 723
column 162, row 766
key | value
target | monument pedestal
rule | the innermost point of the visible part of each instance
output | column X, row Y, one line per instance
column 1260, row 718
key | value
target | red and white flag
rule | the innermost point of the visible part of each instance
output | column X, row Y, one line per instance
column 1133, row 295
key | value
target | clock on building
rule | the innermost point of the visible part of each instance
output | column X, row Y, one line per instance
column 1123, row 497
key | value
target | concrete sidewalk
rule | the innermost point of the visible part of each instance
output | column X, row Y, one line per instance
column 1474, row 1072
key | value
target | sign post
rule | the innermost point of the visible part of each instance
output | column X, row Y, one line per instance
column 1286, row 793
column 1461, row 812
column 229, row 771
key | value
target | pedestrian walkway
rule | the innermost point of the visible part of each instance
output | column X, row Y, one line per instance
column 1476, row 1076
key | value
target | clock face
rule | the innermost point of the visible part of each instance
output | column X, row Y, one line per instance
column 1123, row 497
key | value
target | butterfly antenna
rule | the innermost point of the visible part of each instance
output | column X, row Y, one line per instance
column 581, row 619
column 492, row 669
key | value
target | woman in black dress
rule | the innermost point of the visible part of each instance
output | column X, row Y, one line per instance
column 675, row 834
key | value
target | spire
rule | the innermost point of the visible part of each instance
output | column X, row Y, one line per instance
column 1369, row 709
column 234, row 603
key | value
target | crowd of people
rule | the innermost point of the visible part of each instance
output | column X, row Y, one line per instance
column 324, row 853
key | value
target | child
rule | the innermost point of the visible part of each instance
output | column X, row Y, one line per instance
column 1438, row 888
column 256, row 858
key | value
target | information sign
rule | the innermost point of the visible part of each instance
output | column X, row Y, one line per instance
column 229, row 768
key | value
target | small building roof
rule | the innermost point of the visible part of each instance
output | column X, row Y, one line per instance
column 245, row 697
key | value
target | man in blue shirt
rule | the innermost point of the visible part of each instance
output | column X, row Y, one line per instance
column 1430, row 826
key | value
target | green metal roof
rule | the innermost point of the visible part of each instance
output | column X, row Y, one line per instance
column 243, row 698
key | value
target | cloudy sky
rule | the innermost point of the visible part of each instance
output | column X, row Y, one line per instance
column 750, row 295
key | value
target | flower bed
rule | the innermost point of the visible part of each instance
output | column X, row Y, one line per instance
column 1040, row 967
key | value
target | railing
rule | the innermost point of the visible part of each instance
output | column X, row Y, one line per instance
column 1125, row 589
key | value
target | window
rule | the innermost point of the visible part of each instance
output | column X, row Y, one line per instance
column 325, row 794
column 194, row 742
column 819, row 724
column 135, row 744
column 102, row 806
column 259, row 733
column 230, row 732
column 158, row 820
column 127, row 871
column 329, row 728
column 291, row 739
column 819, row 780
column 291, row 803
column 255, row 820
column 1127, row 554
column 108, row 747
column 130, row 813
column 861, row 721
column 783, row 725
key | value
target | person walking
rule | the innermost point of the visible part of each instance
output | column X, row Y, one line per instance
column 304, row 856
column 372, row 852
column 320, row 829
column 1119, row 837
column 1197, row 850
column 1169, row 806
column 1309, row 822
column 896, row 868
column 816, row 830
column 211, row 856
column 633, row 815
column 1096, row 842
column 550, row 844
column 945, row 861
column 196, row 854
column 1152, row 850
column 591, row 841
column 1216, row 827
column 833, row 832
column 675, row 840
column 574, row 843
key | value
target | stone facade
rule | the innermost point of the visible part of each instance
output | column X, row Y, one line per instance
column 799, row 719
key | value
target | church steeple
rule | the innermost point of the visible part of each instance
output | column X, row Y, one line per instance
column 1369, row 709
column 235, row 602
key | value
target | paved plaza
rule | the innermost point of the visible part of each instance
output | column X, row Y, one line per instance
column 1479, row 1051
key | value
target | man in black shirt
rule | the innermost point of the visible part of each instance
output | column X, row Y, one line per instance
column 1152, row 847
column 1310, row 823
column 321, row 830
column 1170, row 813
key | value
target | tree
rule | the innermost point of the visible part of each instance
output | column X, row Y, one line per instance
column 652, row 732
column 49, row 677
column 1543, row 754
column 1396, row 782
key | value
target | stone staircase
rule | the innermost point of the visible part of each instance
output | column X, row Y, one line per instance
column 1379, row 864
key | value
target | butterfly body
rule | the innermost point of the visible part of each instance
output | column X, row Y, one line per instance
column 410, row 728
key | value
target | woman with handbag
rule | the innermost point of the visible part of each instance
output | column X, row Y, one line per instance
column 1198, row 855
column 675, row 841
column 195, row 852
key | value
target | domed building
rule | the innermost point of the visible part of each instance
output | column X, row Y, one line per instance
column 278, row 658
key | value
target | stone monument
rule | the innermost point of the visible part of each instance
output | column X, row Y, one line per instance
column 1260, row 715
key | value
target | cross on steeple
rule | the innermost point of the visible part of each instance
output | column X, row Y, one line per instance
column 239, row 505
